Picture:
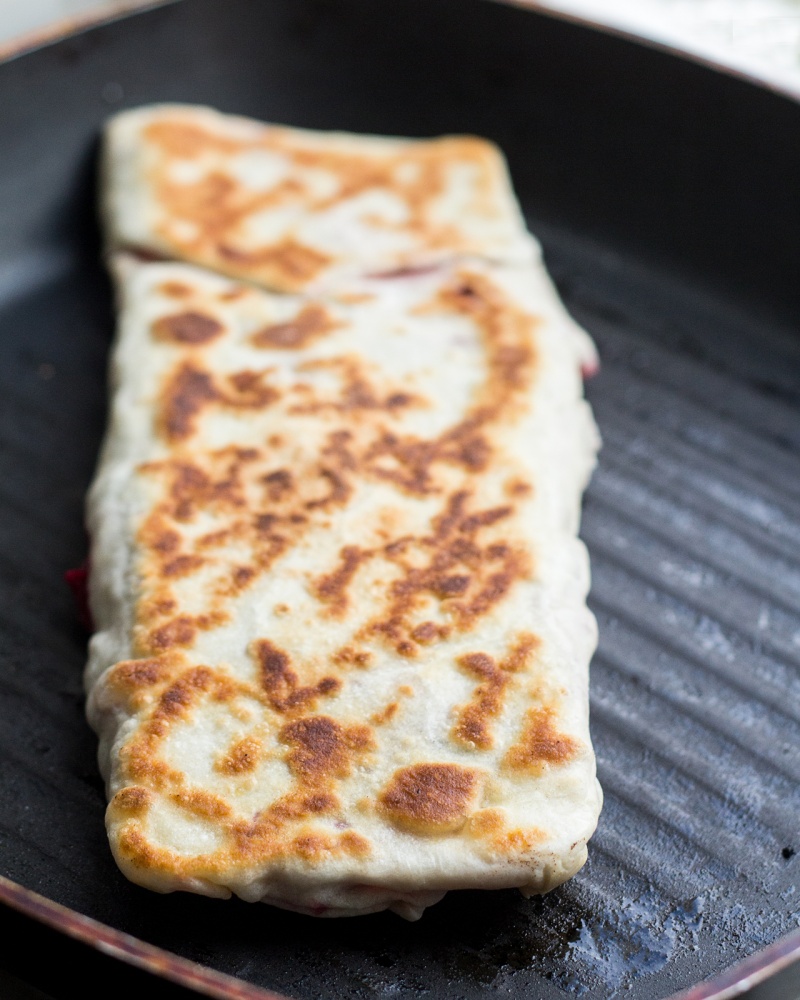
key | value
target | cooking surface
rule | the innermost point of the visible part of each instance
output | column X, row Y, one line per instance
column 692, row 519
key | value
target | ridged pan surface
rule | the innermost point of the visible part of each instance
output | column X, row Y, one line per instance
column 665, row 197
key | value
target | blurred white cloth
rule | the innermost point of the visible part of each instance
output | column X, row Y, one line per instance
column 18, row 17
column 761, row 37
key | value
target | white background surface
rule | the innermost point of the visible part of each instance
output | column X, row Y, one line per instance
column 758, row 36
column 17, row 17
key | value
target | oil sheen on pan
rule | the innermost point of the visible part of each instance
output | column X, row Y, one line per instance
column 342, row 647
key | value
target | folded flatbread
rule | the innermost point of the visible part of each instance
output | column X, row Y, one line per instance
column 342, row 647
column 293, row 209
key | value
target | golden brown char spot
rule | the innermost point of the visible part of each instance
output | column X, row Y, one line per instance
column 428, row 632
column 130, row 676
column 472, row 728
column 279, row 484
column 226, row 689
column 297, row 805
column 288, row 261
column 191, row 489
column 162, row 564
column 249, row 391
column 181, row 631
column 182, row 566
column 186, row 140
column 450, row 586
column 232, row 294
column 134, row 848
column 190, row 390
column 407, row 271
column 175, row 289
column 213, row 539
column 540, row 744
column 352, row 656
column 515, row 567
column 187, row 328
column 357, row 393
column 323, row 749
column 142, row 764
column 186, row 393
column 486, row 823
column 514, row 843
column 518, row 488
column 483, row 519
column 354, row 298
column 166, row 542
column 430, row 798
column 281, row 683
column 149, row 610
column 312, row 847
column 242, row 576
column 320, row 802
column 203, row 804
column 133, row 800
column 354, row 844
column 143, row 256
column 312, row 322
column 241, row 758
column 264, row 523
column 467, row 577
column 522, row 652
column 507, row 334
column 211, row 620
column 339, row 490
column 331, row 589
column 179, row 696
column 385, row 715
column 407, row 462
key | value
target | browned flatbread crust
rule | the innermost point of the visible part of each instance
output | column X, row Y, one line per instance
column 341, row 660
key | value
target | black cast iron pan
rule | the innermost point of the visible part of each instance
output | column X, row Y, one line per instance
column 667, row 199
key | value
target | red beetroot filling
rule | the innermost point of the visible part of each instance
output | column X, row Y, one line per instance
column 78, row 582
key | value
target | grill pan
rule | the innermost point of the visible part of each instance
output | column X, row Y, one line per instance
column 666, row 197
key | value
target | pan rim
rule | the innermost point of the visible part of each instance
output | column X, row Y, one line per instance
column 733, row 982
column 127, row 948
